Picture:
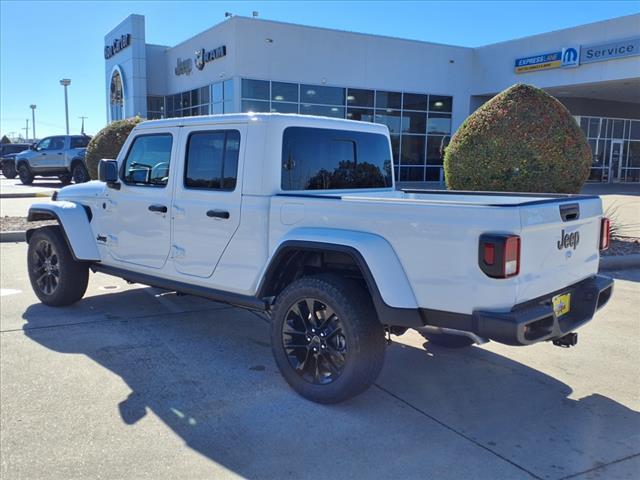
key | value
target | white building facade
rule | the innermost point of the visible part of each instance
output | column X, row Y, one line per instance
column 421, row 91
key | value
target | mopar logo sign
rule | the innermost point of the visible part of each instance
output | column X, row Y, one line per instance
column 570, row 57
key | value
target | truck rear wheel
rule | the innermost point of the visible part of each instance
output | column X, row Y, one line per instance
column 326, row 338
column 79, row 173
column 26, row 177
column 9, row 169
column 447, row 340
column 56, row 278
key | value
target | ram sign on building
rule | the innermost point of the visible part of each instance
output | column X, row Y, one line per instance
column 422, row 91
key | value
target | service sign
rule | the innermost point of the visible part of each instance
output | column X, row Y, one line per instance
column 544, row 61
column 610, row 51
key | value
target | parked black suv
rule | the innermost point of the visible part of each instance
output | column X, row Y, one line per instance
column 7, row 157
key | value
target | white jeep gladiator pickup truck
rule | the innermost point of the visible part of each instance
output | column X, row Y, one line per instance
column 297, row 216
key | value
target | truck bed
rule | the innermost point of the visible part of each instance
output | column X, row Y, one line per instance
column 435, row 235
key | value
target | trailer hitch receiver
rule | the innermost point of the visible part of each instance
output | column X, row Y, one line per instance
column 566, row 341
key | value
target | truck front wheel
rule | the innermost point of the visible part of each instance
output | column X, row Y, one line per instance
column 26, row 177
column 56, row 278
column 326, row 338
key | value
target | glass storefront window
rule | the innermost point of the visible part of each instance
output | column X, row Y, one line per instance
column 414, row 122
column 216, row 93
column 255, row 89
column 635, row 130
column 361, row 114
column 388, row 99
column 282, row 107
column 255, row 106
column 322, row 95
column 390, row 118
column 618, row 129
column 439, row 123
column 322, row 110
column 412, row 150
column 359, row 97
column 412, row 174
column 439, row 103
column 284, row 92
column 436, row 145
column 414, row 101
column 433, row 174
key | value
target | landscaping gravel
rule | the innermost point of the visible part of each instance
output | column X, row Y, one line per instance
column 18, row 224
column 622, row 246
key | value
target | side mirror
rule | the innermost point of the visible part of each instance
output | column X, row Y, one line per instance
column 33, row 146
column 108, row 172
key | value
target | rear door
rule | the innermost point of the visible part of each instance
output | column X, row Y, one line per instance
column 207, row 201
column 559, row 245
column 53, row 156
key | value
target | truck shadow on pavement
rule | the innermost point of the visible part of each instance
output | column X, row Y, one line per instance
column 210, row 377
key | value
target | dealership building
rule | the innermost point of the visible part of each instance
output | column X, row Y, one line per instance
column 422, row 91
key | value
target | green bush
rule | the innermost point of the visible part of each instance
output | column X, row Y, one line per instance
column 522, row 140
column 108, row 142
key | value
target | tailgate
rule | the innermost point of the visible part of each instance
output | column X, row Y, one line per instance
column 559, row 244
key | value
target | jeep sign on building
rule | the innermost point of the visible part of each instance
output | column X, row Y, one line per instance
column 422, row 91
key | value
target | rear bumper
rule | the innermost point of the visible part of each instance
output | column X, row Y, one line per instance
column 533, row 321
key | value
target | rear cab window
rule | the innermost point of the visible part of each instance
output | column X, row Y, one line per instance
column 331, row 159
column 148, row 159
column 80, row 142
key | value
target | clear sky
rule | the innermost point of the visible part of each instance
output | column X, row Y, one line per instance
column 42, row 42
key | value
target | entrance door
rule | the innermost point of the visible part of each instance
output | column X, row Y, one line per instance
column 615, row 160
column 207, row 200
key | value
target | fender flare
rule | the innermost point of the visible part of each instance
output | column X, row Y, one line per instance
column 74, row 220
column 391, row 292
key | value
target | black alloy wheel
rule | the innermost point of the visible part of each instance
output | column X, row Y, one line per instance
column 314, row 341
column 45, row 267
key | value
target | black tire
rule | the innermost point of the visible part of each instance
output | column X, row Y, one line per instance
column 9, row 170
column 56, row 278
column 447, row 340
column 65, row 178
column 26, row 177
column 350, row 345
column 79, row 173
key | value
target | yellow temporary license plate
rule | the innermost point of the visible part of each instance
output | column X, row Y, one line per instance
column 561, row 304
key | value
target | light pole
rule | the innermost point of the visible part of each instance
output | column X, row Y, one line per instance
column 26, row 130
column 33, row 120
column 65, row 82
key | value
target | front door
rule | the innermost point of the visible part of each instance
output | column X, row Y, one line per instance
column 615, row 160
column 207, row 201
column 135, row 223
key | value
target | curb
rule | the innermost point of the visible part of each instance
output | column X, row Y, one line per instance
column 19, row 236
column 618, row 262
column 27, row 195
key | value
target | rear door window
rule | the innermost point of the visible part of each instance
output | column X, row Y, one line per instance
column 327, row 159
column 212, row 160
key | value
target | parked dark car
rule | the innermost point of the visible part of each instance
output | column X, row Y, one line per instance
column 7, row 157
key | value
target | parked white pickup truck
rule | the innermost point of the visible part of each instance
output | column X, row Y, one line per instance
column 298, row 217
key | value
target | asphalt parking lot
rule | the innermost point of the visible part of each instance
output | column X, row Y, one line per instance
column 133, row 382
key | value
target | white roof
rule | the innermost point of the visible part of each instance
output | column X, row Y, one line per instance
column 285, row 119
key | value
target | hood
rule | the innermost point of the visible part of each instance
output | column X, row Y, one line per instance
column 92, row 189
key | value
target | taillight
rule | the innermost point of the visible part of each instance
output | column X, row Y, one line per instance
column 605, row 233
column 499, row 255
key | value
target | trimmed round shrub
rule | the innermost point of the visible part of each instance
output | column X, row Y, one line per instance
column 522, row 140
column 107, row 143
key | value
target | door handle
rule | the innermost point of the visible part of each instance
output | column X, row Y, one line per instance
column 158, row 208
column 218, row 214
